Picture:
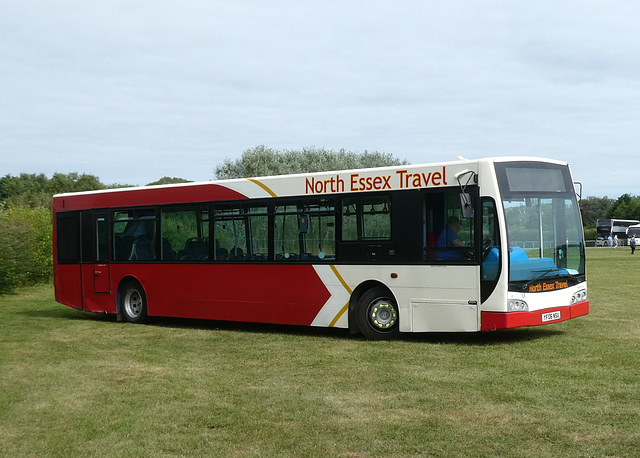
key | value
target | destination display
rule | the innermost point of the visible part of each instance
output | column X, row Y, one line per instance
column 543, row 286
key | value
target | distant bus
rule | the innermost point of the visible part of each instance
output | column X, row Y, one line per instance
column 607, row 229
column 633, row 230
column 368, row 250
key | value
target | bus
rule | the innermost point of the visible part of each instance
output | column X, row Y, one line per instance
column 373, row 251
column 607, row 229
column 633, row 230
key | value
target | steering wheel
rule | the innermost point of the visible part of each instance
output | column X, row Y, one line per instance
column 487, row 246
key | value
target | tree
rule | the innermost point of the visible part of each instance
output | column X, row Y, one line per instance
column 33, row 190
column 26, row 189
column 626, row 207
column 168, row 180
column 263, row 161
column 593, row 209
column 73, row 182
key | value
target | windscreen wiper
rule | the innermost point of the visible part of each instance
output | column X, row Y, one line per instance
column 544, row 272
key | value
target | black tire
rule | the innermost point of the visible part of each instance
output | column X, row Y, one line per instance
column 133, row 302
column 377, row 315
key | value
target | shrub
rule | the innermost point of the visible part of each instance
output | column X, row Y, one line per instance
column 25, row 247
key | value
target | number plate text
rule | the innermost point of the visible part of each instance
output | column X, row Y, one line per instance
column 551, row 316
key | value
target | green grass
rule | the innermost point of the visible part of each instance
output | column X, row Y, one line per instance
column 79, row 384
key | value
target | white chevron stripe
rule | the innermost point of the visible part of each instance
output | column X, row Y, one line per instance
column 336, row 303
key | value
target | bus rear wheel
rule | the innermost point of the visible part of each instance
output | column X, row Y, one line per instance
column 378, row 315
column 133, row 302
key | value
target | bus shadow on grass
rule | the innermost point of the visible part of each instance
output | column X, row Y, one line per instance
column 67, row 313
column 500, row 337
column 457, row 338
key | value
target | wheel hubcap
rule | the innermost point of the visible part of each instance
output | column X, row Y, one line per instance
column 383, row 315
column 133, row 303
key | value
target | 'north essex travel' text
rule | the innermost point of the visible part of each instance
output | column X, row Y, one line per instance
column 402, row 179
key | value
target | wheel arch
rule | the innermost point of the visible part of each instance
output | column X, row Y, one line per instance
column 123, row 281
column 354, row 300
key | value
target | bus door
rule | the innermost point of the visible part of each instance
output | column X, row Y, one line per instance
column 101, row 268
column 96, row 276
column 450, row 295
column 94, row 266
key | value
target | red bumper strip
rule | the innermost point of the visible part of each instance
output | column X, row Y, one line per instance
column 492, row 321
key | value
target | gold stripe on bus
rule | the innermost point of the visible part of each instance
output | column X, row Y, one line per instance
column 340, row 313
column 346, row 306
column 263, row 186
column 344, row 283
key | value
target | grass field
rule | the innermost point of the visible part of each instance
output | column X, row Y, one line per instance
column 79, row 384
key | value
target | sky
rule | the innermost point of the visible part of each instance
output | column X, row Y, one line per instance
column 132, row 91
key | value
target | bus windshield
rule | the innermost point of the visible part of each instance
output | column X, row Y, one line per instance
column 543, row 224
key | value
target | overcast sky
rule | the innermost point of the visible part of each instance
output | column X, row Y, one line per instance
column 132, row 91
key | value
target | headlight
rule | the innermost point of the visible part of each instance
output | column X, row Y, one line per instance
column 579, row 296
column 516, row 305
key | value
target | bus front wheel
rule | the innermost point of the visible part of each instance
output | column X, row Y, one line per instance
column 378, row 315
column 133, row 302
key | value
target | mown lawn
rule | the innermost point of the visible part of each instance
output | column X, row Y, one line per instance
column 78, row 384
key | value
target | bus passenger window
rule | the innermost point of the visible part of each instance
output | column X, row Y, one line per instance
column 230, row 234
column 258, row 232
column 123, row 241
column 318, row 232
column 366, row 218
column 320, row 240
column 134, row 235
column 185, row 234
column 68, row 237
column 286, row 233
column 305, row 232
column 241, row 234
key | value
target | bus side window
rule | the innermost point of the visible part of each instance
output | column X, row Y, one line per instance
column 257, row 221
column 305, row 232
column 286, row 233
column 185, row 234
column 122, row 240
column 134, row 234
column 320, row 240
column 366, row 218
column 230, row 235
column 144, row 243
column 68, row 237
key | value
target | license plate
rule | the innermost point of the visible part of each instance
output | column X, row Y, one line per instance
column 551, row 316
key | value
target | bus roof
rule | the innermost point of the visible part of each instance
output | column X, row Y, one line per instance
column 614, row 222
column 401, row 177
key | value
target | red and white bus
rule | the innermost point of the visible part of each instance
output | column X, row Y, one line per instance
column 472, row 245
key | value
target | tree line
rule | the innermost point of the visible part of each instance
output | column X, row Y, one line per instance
column 26, row 219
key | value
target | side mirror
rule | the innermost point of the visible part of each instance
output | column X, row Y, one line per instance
column 465, row 204
column 465, row 198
